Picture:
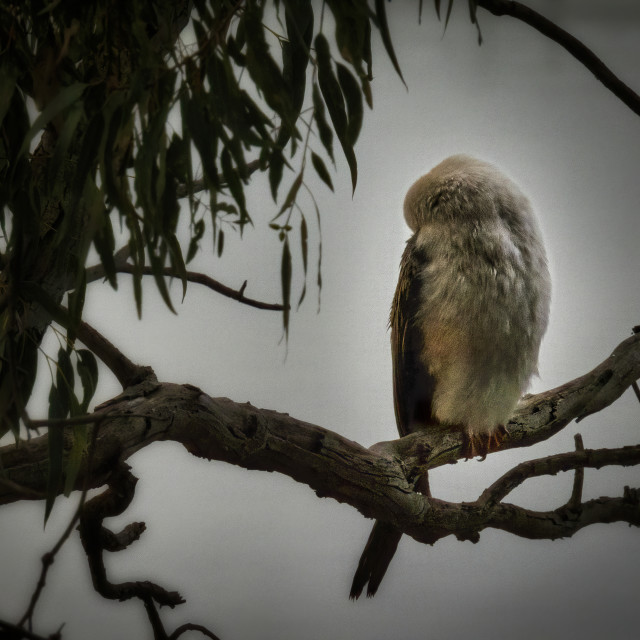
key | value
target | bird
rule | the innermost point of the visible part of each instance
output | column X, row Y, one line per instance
column 467, row 318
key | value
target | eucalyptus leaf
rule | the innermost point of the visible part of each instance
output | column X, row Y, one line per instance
column 321, row 169
column 285, row 280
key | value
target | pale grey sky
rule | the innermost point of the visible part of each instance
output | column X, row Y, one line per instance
column 259, row 557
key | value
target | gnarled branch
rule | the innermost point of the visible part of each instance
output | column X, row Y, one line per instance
column 379, row 482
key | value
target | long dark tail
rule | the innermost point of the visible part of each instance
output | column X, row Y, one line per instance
column 375, row 559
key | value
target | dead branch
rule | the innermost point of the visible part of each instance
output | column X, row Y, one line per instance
column 108, row 504
column 571, row 44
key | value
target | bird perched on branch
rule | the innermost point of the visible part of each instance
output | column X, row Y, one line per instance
column 467, row 318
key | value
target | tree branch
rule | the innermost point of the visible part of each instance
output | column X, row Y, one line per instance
column 108, row 504
column 121, row 257
column 551, row 465
column 379, row 482
column 201, row 278
column 571, row 44
column 127, row 372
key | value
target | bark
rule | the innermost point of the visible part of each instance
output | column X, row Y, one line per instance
column 379, row 481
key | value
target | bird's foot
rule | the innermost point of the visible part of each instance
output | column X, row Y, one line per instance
column 474, row 444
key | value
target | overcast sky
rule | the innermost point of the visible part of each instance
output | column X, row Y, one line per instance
column 259, row 557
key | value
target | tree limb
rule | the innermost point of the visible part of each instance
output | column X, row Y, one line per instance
column 207, row 281
column 127, row 372
column 379, row 482
column 571, row 44
column 97, row 272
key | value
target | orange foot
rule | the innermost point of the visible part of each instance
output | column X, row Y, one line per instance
column 480, row 445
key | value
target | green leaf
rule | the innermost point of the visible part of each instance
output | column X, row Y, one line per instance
column 324, row 130
column 332, row 94
column 86, row 164
column 276, row 165
column 194, row 243
column 235, row 185
column 383, row 26
column 473, row 5
column 352, row 32
column 65, row 97
column 291, row 196
column 67, row 135
column 137, row 290
column 304, row 236
column 157, row 269
column 65, row 381
column 295, row 54
column 285, row 279
column 8, row 76
column 321, row 169
column 264, row 71
column 76, row 304
column 104, row 243
column 353, row 98
column 177, row 262
column 55, row 441
column 446, row 20
column 220, row 242
column 202, row 133
column 87, row 368
column 74, row 461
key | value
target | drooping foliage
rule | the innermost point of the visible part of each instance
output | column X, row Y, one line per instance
column 138, row 115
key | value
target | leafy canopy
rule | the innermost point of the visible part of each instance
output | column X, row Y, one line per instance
column 108, row 117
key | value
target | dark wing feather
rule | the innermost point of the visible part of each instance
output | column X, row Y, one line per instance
column 413, row 386
column 412, row 395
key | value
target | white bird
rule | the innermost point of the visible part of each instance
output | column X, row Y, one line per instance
column 467, row 318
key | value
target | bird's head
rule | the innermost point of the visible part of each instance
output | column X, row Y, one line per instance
column 459, row 188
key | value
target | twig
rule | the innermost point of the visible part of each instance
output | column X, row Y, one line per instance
column 112, row 502
column 578, row 479
column 592, row 458
column 49, row 557
column 97, row 272
column 207, row 281
column 571, row 44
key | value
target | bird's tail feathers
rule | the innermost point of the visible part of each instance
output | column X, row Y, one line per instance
column 375, row 559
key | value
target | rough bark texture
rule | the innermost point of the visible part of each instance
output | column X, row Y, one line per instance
column 379, row 481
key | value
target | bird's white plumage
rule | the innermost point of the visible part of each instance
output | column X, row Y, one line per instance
column 467, row 318
column 484, row 290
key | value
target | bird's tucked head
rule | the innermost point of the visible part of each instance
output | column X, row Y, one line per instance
column 459, row 188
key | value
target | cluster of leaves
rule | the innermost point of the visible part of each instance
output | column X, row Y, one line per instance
column 107, row 117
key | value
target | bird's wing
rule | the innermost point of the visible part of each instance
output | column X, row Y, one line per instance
column 413, row 386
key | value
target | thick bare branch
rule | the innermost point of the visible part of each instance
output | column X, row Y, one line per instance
column 577, row 49
column 127, row 372
column 538, row 417
column 379, row 482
